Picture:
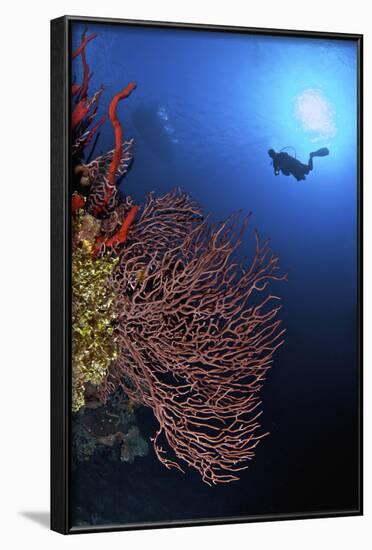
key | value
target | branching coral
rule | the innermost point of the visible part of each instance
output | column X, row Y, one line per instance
column 84, row 41
column 84, row 109
column 110, row 180
column 83, row 44
column 120, row 236
column 162, row 223
column 196, row 340
column 96, row 172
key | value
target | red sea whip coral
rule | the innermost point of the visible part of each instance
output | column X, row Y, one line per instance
column 110, row 184
column 118, row 160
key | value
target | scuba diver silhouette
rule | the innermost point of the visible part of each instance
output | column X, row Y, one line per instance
column 288, row 165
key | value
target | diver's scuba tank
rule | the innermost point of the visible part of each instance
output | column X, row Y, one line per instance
column 289, row 147
column 323, row 152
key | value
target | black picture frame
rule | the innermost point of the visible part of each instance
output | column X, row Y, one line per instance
column 61, row 267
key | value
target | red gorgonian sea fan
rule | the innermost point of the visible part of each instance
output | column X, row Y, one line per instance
column 196, row 332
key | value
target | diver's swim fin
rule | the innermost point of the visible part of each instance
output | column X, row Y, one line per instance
column 323, row 152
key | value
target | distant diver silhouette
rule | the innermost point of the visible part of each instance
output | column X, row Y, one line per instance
column 288, row 165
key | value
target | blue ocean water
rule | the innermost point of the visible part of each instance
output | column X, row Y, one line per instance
column 207, row 108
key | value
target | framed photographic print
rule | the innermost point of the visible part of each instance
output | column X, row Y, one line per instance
column 206, row 274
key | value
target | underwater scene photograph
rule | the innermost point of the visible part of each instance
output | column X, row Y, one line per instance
column 214, row 275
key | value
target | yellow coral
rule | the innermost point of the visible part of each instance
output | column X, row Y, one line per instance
column 93, row 315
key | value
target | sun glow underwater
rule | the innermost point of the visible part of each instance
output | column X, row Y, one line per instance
column 315, row 97
column 316, row 114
